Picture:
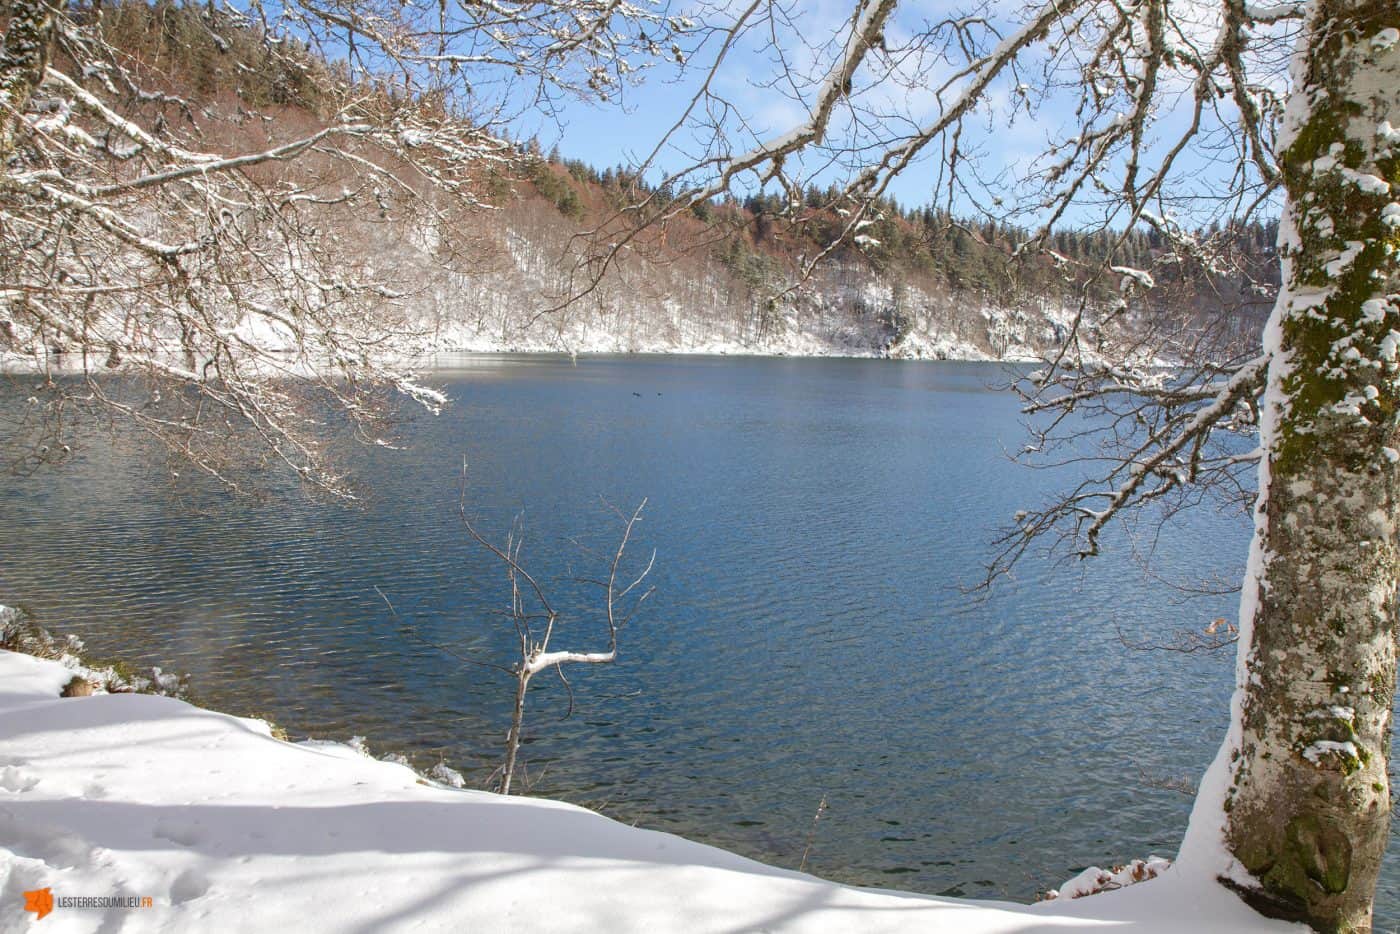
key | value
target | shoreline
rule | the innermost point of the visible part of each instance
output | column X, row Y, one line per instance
column 73, row 363
column 220, row 825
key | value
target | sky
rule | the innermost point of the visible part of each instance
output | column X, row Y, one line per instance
column 626, row 131
column 767, row 105
column 773, row 71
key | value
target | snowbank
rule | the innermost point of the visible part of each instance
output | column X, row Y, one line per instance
column 226, row 829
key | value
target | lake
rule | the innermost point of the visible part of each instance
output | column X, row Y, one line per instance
column 808, row 640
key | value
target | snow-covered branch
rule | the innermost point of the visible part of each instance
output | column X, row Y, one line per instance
column 1152, row 432
column 217, row 246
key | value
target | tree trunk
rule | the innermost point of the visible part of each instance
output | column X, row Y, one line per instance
column 1302, row 779
column 24, row 54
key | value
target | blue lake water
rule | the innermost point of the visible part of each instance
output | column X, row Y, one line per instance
column 812, row 521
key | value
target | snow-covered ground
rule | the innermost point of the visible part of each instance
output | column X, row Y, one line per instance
column 227, row 829
column 845, row 309
column 822, row 329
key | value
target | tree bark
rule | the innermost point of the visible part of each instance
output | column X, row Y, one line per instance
column 24, row 53
column 1307, row 803
column 517, row 721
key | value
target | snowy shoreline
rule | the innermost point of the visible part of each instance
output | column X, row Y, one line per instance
column 224, row 827
column 914, row 347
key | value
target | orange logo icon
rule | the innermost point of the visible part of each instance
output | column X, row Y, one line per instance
column 39, row 901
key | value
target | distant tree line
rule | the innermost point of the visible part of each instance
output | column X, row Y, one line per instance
column 957, row 254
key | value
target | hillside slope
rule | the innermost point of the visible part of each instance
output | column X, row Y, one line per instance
column 723, row 277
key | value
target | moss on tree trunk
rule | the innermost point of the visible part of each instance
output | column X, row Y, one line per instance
column 1309, row 806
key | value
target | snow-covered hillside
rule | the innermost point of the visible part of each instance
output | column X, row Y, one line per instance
column 227, row 829
column 840, row 312
column 522, row 291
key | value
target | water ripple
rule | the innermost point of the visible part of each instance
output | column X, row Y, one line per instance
column 812, row 521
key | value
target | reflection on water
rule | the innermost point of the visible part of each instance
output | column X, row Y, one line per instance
column 812, row 521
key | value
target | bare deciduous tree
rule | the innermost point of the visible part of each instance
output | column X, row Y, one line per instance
column 1163, row 114
column 201, row 249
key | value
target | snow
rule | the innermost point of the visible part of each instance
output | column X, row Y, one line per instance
column 265, row 330
column 1368, row 183
column 1335, row 268
column 920, row 345
column 1204, row 854
column 820, row 325
column 1094, row 879
column 1316, row 752
column 1268, row 13
column 1132, row 276
column 228, row 829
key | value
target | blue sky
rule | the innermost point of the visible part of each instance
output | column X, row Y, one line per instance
column 625, row 132
column 609, row 134
column 765, row 101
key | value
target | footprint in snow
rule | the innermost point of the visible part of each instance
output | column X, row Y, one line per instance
column 59, row 848
column 188, row 886
column 177, row 833
column 23, row 876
